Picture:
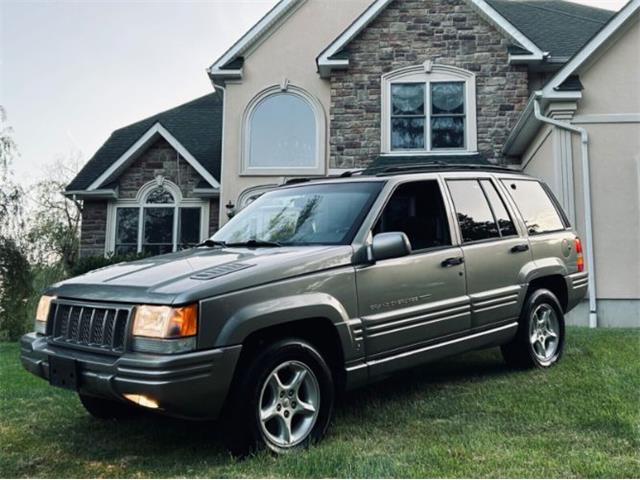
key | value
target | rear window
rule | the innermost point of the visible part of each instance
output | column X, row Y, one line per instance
column 538, row 210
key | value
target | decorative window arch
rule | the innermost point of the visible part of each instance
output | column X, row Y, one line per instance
column 158, row 220
column 428, row 108
column 284, row 132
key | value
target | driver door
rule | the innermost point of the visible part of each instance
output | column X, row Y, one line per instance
column 408, row 301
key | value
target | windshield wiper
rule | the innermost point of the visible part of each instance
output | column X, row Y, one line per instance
column 253, row 243
column 212, row 243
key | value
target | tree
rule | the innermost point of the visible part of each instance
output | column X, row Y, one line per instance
column 54, row 233
column 15, row 272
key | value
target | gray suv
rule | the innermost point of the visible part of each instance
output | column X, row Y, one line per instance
column 317, row 287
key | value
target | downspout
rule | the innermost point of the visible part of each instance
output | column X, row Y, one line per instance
column 586, row 189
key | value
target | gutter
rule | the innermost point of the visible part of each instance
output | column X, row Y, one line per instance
column 586, row 188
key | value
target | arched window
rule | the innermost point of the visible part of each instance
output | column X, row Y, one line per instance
column 158, row 221
column 284, row 133
column 428, row 109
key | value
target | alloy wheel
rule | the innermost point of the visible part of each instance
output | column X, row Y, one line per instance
column 544, row 332
column 289, row 404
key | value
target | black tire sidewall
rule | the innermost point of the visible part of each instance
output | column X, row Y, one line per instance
column 535, row 299
column 272, row 356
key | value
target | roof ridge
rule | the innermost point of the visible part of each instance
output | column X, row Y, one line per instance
column 156, row 115
column 532, row 4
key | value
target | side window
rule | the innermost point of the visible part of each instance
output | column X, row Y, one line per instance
column 417, row 209
column 473, row 212
column 538, row 211
column 505, row 223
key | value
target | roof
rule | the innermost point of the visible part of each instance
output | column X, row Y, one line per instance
column 556, row 26
column 565, row 85
column 388, row 161
column 196, row 125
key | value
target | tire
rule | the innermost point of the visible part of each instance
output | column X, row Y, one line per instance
column 106, row 409
column 539, row 342
column 283, row 401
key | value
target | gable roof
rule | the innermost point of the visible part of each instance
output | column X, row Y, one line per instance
column 538, row 28
column 194, row 129
column 230, row 64
column 555, row 26
column 565, row 84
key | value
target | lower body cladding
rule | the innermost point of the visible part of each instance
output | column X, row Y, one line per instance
column 190, row 385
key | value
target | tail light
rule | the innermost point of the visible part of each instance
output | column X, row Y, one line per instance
column 579, row 256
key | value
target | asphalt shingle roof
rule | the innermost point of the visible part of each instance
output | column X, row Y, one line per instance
column 555, row 26
column 197, row 125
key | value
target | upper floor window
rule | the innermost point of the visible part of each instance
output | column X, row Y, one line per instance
column 284, row 133
column 430, row 108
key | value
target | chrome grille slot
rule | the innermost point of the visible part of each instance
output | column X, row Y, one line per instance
column 96, row 327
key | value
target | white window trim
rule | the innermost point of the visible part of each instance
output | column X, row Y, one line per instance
column 321, row 127
column 140, row 203
column 430, row 73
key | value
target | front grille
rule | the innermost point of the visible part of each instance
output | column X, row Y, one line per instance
column 100, row 327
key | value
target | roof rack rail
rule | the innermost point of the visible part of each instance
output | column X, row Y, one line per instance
column 429, row 167
column 293, row 181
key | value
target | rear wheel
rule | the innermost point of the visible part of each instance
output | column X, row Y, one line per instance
column 106, row 409
column 283, row 402
column 539, row 341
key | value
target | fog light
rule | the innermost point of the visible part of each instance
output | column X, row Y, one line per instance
column 141, row 400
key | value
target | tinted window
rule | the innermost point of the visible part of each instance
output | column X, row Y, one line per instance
column 417, row 210
column 537, row 209
column 474, row 215
column 499, row 210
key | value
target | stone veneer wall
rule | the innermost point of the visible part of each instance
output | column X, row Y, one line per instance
column 159, row 159
column 407, row 33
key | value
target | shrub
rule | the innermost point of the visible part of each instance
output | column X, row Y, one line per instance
column 15, row 290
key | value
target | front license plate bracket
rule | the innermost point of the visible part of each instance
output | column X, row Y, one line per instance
column 63, row 372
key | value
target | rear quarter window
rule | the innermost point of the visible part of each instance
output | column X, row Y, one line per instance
column 536, row 207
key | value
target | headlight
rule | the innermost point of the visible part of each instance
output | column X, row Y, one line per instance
column 42, row 313
column 165, row 322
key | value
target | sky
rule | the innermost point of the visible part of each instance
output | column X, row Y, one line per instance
column 72, row 71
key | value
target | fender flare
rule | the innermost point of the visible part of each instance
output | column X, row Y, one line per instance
column 541, row 268
column 314, row 306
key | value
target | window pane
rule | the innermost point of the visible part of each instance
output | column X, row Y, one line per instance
column 126, row 231
column 407, row 133
column 189, row 227
column 407, row 99
column 159, row 195
column 474, row 215
column 283, row 133
column 499, row 210
column 447, row 98
column 158, row 230
column 537, row 209
column 417, row 210
column 447, row 132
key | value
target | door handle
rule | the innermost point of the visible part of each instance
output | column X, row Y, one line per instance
column 452, row 262
column 523, row 247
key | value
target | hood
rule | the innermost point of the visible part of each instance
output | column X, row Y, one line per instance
column 198, row 273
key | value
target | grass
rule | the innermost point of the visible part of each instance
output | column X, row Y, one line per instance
column 469, row 416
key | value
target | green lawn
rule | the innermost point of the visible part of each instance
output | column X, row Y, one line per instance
column 466, row 417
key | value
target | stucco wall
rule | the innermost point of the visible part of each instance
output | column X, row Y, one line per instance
column 289, row 52
column 407, row 33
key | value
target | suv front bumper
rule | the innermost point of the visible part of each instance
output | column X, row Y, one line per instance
column 192, row 385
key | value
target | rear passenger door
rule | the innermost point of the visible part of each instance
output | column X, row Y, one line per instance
column 494, row 252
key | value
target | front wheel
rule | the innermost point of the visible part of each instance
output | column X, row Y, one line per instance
column 284, row 401
column 539, row 341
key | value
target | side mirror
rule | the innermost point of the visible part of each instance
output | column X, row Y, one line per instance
column 389, row 245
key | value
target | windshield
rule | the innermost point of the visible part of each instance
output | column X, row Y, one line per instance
column 325, row 214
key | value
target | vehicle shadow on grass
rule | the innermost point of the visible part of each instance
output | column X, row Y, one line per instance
column 129, row 442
